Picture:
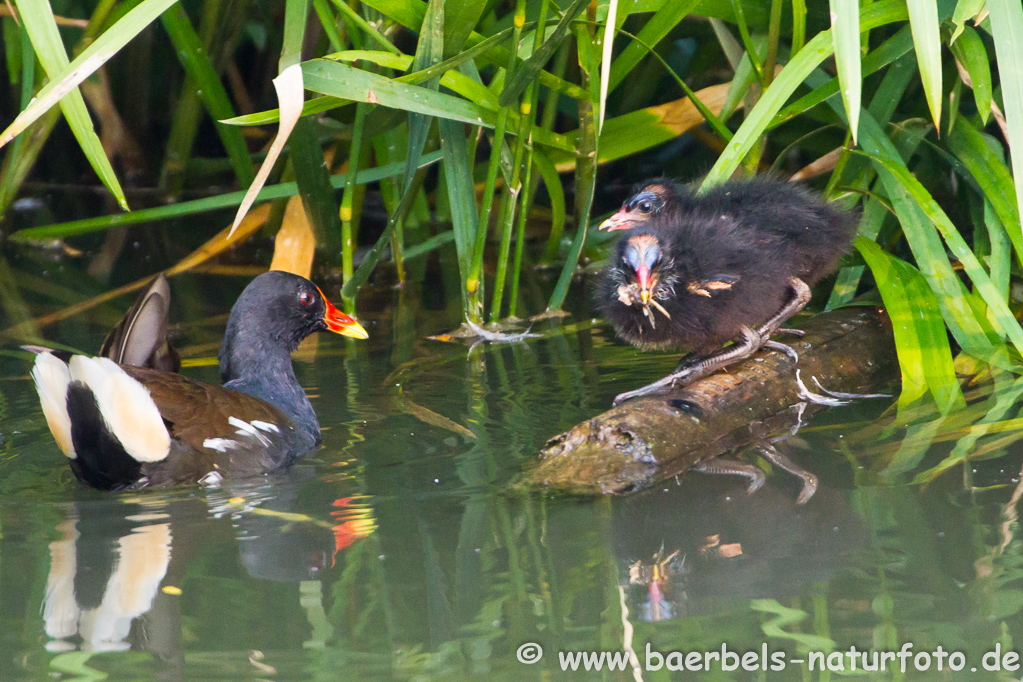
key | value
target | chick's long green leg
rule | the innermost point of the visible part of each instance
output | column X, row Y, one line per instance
column 800, row 297
column 751, row 341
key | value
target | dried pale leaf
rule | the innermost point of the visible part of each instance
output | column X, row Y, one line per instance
column 658, row 123
column 681, row 114
column 223, row 240
column 711, row 542
column 1000, row 119
column 295, row 245
column 728, row 551
column 290, row 98
column 425, row 414
column 824, row 164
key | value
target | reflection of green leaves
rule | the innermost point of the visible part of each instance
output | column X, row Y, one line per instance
column 785, row 617
column 1004, row 401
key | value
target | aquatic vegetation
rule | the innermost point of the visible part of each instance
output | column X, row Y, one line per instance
column 469, row 114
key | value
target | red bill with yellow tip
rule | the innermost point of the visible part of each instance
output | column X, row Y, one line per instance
column 340, row 323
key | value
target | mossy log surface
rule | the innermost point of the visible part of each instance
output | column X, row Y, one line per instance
column 647, row 440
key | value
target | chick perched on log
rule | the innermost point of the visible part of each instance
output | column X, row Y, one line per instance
column 697, row 271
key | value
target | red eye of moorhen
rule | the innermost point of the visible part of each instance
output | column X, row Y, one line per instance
column 305, row 298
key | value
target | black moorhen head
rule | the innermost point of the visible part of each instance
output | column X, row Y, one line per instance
column 730, row 265
column 125, row 426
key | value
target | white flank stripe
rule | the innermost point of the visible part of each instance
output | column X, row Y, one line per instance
column 220, row 444
column 247, row 429
column 52, row 377
column 265, row 426
column 126, row 406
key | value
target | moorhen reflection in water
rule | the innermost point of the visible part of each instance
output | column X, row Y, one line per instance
column 734, row 264
column 123, row 426
column 699, row 549
column 121, row 573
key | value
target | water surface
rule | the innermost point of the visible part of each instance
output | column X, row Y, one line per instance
column 396, row 551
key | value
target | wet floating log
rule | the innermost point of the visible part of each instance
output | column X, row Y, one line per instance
column 645, row 441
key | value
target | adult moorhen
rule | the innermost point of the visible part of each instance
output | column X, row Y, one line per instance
column 125, row 426
column 702, row 270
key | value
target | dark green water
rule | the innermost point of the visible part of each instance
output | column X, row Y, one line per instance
column 396, row 550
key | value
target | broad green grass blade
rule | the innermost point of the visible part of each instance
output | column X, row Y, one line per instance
column 461, row 193
column 527, row 72
column 446, row 71
column 460, row 18
column 886, row 53
column 965, row 9
column 968, row 145
column 188, row 208
column 429, row 52
column 969, row 50
column 410, row 13
column 42, row 29
column 295, row 15
column 1007, row 29
column 923, row 18
column 955, row 243
column 739, row 88
column 1000, row 258
column 556, row 194
column 921, row 343
column 607, row 44
column 197, row 65
column 969, row 330
column 314, row 187
column 346, row 82
column 65, row 77
column 845, row 28
column 801, row 66
column 655, row 29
